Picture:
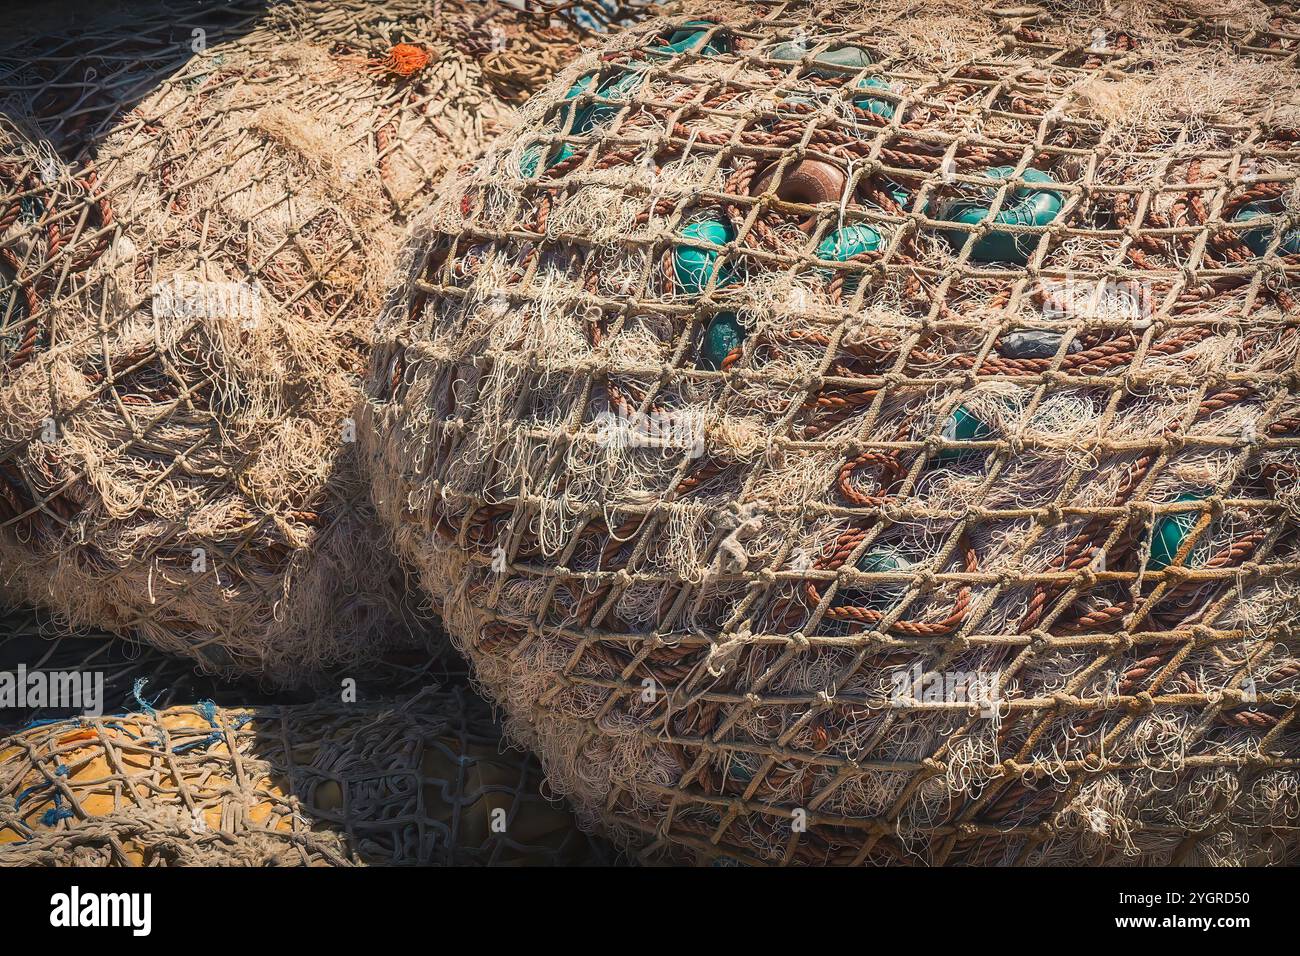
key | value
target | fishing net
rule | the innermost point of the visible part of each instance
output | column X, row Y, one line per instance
column 864, row 433
column 193, row 255
column 40, row 658
column 423, row 782
column 110, row 674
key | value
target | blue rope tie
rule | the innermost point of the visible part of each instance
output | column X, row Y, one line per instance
column 145, row 705
column 208, row 711
column 60, row 771
column 56, row 813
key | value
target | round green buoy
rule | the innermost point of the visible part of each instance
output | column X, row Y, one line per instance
column 689, row 38
column 1169, row 533
column 962, row 426
column 693, row 267
column 529, row 161
column 882, row 559
column 848, row 241
column 1025, row 206
column 840, row 59
column 874, row 104
column 844, row 243
column 619, row 87
column 1258, row 240
column 722, row 337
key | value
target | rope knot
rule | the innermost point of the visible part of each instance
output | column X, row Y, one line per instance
column 1143, row 703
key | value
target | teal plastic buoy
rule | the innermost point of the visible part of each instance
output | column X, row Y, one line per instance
column 738, row 771
column 1169, row 533
column 694, row 267
column 874, row 104
column 529, row 161
column 619, row 88
column 689, row 38
column 846, row 242
column 961, row 426
column 722, row 337
column 843, row 58
column 1258, row 240
column 849, row 241
column 1025, row 206
column 880, row 560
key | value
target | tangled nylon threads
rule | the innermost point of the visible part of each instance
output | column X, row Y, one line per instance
column 932, row 500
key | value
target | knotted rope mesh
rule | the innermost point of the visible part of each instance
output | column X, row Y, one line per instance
column 422, row 782
column 196, row 244
column 863, row 433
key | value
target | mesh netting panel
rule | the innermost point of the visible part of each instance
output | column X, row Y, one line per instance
column 194, row 256
column 868, row 433
column 425, row 782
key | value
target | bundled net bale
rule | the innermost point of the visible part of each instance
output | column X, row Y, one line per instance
column 424, row 782
column 868, row 433
column 177, row 444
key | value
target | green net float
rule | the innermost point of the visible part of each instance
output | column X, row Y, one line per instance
column 619, row 88
column 1024, row 206
column 1169, row 533
column 874, row 104
column 689, row 38
column 692, row 267
column 842, row 58
column 528, row 162
column 896, row 192
column 738, row 771
column 31, row 208
column 962, row 426
column 722, row 337
column 882, row 559
column 1258, row 240
column 844, row 243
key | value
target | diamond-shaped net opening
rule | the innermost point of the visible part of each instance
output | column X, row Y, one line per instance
column 871, row 437
column 424, row 781
column 201, row 214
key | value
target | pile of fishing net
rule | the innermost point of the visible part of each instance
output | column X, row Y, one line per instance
column 868, row 433
column 193, row 254
column 421, row 782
